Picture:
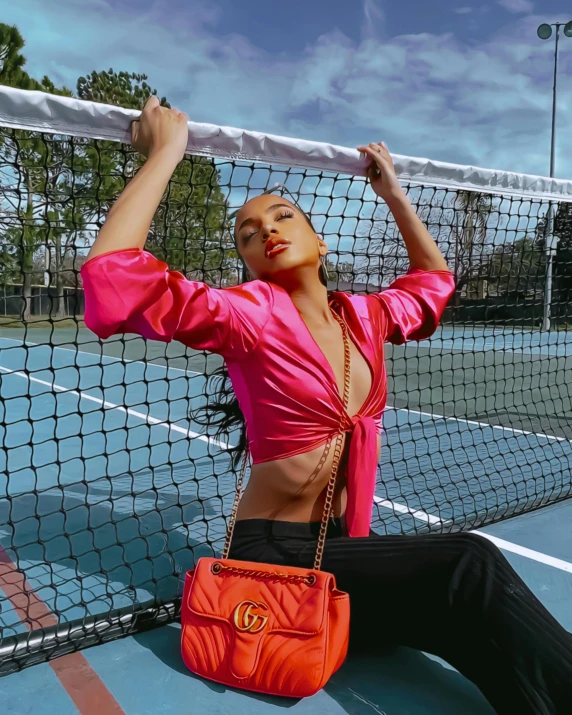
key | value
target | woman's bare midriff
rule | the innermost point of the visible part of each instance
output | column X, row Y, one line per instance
column 292, row 489
column 283, row 489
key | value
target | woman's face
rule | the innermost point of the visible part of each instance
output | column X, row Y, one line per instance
column 276, row 241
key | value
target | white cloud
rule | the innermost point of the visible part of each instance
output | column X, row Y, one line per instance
column 517, row 6
column 487, row 103
column 373, row 19
column 463, row 10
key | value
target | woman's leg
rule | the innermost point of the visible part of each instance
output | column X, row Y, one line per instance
column 456, row 596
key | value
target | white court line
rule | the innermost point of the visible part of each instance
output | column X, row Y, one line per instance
column 513, row 430
column 527, row 553
column 21, row 343
column 394, row 506
column 501, row 543
column 402, row 509
column 127, row 410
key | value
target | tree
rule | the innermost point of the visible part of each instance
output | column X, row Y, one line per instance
column 121, row 89
column 340, row 271
column 386, row 244
column 190, row 230
column 28, row 222
column 516, row 267
column 12, row 240
column 12, row 61
column 39, row 213
column 67, row 185
column 457, row 220
column 562, row 267
column 470, row 231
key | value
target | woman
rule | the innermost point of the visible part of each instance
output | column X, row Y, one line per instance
column 292, row 353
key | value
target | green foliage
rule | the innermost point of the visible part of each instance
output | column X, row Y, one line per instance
column 189, row 230
column 341, row 271
column 517, row 267
column 563, row 263
column 472, row 211
column 65, row 187
column 12, row 61
column 121, row 89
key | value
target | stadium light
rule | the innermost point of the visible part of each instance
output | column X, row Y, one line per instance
column 544, row 31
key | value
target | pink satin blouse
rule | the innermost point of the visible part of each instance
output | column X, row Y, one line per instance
column 285, row 386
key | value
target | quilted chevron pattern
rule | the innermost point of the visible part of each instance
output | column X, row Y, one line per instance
column 263, row 634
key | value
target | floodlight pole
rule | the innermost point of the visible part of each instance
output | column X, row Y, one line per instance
column 554, row 88
column 550, row 239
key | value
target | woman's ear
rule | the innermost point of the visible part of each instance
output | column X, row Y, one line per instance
column 322, row 246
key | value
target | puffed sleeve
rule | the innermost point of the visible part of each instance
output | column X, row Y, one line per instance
column 131, row 291
column 412, row 306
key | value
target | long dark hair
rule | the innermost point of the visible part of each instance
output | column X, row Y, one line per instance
column 222, row 409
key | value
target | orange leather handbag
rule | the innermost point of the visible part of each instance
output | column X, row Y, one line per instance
column 277, row 630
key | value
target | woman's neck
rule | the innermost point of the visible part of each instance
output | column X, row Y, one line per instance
column 311, row 301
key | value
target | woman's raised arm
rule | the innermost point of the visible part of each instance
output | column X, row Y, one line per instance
column 161, row 135
column 127, row 290
column 421, row 247
column 412, row 306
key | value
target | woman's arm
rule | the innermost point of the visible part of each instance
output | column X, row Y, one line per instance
column 411, row 308
column 161, row 135
column 421, row 247
column 127, row 290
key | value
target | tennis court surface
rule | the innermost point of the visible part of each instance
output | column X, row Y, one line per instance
column 110, row 490
column 111, row 497
column 110, row 481
column 144, row 675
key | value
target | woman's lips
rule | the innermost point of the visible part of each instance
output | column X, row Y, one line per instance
column 277, row 249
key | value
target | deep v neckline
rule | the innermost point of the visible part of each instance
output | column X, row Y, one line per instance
column 326, row 363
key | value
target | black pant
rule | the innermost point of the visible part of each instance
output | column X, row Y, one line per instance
column 452, row 595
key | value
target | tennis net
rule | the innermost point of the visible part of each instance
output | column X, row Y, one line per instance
column 109, row 490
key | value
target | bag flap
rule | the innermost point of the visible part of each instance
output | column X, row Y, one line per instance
column 253, row 604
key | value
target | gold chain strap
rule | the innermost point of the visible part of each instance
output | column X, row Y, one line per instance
column 237, row 497
column 328, row 506
column 218, row 567
column 328, row 503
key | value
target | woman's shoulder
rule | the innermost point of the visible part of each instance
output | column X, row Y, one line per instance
column 358, row 309
column 358, row 302
column 251, row 295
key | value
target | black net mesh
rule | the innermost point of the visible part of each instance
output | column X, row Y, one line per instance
column 109, row 491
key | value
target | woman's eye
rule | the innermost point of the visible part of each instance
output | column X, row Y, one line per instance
column 281, row 215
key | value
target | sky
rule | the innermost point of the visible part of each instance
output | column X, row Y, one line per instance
column 451, row 80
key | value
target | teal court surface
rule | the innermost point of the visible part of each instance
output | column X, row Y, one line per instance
column 109, row 491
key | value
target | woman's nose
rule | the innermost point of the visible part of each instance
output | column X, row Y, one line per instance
column 267, row 231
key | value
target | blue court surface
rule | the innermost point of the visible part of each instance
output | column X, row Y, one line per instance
column 143, row 675
column 109, row 491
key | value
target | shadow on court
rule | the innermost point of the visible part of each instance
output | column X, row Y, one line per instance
column 397, row 680
column 89, row 549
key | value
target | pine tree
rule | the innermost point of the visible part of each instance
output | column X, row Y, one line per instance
column 189, row 230
column 67, row 186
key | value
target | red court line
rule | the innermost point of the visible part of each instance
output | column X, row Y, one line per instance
column 33, row 612
column 84, row 686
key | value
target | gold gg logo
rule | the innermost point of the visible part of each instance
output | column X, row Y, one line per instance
column 245, row 620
